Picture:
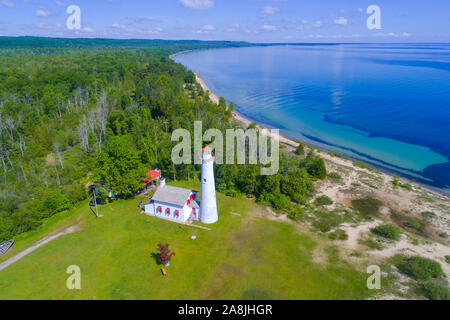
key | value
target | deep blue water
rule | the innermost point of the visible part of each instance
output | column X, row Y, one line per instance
column 388, row 105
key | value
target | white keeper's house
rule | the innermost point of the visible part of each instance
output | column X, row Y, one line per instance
column 183, row 205
column 173, row 203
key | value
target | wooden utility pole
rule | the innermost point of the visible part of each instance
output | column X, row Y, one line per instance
column 96, row 208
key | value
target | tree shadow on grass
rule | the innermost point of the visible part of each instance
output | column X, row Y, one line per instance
column 155, row 256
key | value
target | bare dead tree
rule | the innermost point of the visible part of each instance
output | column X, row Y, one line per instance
column 101, row 113
column 21, row 144
column 10, row 125
column 57, row 149
column 60, row 107
column 83, row 133
column 5, row 169
column 57, row 177
column 24, row 175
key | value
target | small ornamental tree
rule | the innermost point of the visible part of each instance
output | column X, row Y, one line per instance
column 300, row 149
column 164, row 253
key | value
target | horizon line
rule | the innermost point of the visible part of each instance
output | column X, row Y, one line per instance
column 230, row 41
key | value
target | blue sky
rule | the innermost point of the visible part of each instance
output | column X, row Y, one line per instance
column 247, row 20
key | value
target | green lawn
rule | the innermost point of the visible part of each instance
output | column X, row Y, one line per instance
column 243, row 257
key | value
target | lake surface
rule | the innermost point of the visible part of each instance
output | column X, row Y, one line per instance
column 388, row 105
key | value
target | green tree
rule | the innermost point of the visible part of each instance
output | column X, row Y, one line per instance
column 300, row 150
column 315, row 166
column 119, row 167
column 297, row 185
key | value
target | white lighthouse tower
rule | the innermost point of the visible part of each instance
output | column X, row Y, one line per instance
column 208, row 204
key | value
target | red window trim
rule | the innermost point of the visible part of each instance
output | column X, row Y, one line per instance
column 168, row 211
column 176, row 213
column 159, row 209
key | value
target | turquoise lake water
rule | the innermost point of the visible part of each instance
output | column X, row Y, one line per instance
column 388, row 105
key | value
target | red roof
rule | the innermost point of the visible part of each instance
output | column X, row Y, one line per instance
column 151, row 175
column 207, row 148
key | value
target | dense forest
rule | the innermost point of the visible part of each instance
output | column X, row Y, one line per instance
column 74, row 117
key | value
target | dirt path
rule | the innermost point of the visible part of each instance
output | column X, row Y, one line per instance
column 48, row 238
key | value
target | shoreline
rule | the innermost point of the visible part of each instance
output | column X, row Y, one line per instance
column 214, row 98
column 323, row 153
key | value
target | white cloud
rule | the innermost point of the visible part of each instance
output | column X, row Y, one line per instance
column 42, row 13
column 8, row 4
column 197, row 4
column 341, row 21
column 360, row 9
column 205, row 29
column 334, row 36
column 88, row 29
column 269, row 27
column 269, row 10
column 156, row 31
column 393, row 34
column 233, row 28
column 118, row 26
column 309, row 25
column 209, row 27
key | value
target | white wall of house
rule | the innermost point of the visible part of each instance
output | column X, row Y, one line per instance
column 185, row 211
column 149, row 209
column 152, row 209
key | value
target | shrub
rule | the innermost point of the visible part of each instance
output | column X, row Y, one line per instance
column 334, row 176
column 413, row 224
column 356, row 254
column 363, row 165
column 370, row 243
column 300, row 149
column 407, row 186
column 296, row 214
column 77, row 193
column 387, row 230
column 55, row 202
column 447, row 259
column 281, row 202
column 368, row 207
column 315, row 166
column 323, row 225
column 326, row 221
column 443, row 235
column 428, row 214
column 436, row 290
column 324, row 201
column 396, row 182
column 338, row 235
column 231, row 193
column 419, row 268
column 297, row 184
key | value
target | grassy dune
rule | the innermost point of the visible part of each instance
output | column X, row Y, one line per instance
column 244, row 257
